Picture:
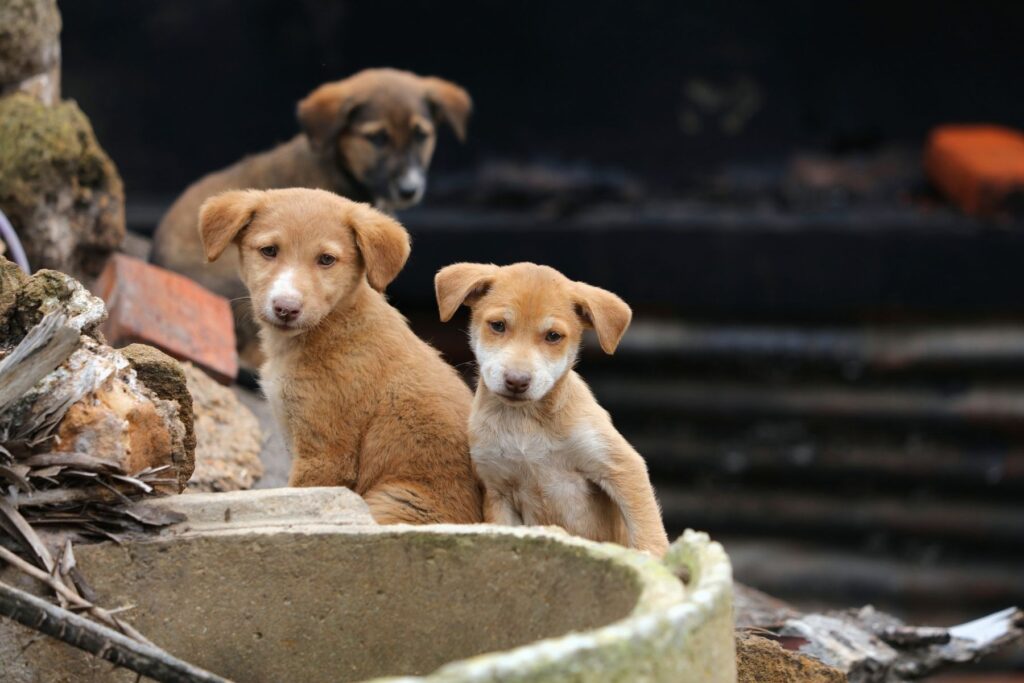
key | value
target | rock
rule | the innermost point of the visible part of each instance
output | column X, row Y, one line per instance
column 30, row 48
column 63, row 390
column 12, row 279
column 164, row 376
column 760, row 660
column 228, row 437
column 58, row 187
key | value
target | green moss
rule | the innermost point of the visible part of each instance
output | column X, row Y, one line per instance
column 12, row 279
column 46, row 147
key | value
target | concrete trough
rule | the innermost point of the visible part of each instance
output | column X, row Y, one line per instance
column 300, row 585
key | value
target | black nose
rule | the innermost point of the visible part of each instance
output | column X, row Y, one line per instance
column 407, row 191
column 517, row 382
column 287, row 310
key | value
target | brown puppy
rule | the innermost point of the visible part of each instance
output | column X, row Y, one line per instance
column 546, row 451
column 369, row 137
column 361, row 400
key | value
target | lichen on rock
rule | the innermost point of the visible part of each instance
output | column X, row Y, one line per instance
column 58, row 187
column 30, row 47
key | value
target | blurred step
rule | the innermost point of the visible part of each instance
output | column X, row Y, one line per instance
column 876, row 347
column 938, row 591
column 730, row 399
column 828, row 513
column 823, row 458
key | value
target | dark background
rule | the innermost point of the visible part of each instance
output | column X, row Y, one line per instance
column 177, row 89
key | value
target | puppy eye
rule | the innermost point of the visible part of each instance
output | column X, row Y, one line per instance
column 269, row 252
column 380, row 138
column 498, row 326
column 419, row 135
column 552, row 337
column 326, row 260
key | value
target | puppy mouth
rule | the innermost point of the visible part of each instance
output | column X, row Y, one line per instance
column 512, row 398
column 281, row 327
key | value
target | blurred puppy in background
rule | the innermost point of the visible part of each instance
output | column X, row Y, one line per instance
column 369, row 138
column 546, row 452
column 361, row 400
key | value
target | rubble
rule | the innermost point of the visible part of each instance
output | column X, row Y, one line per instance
column 868, row 646
column 58, row 187
column 228, row 437
column 761, row 660
column 30, row 48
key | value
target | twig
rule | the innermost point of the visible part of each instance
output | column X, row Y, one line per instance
column 99, row 640
column 70, row 595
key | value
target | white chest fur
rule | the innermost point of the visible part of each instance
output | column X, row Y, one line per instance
column 546, row 479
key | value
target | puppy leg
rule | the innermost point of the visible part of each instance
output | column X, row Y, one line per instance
column 401, row 503
column 498, row 509
column 626, row 482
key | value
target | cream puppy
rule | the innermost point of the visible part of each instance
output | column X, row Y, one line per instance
column 546, row 452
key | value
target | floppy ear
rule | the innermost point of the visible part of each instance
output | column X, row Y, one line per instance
column 325, row 112
column 461, row 283
column 606, row 313
column 223, row 216
column 384, row 244
column 449, row 103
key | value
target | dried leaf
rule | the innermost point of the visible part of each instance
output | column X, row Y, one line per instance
column 12, row 476
column 153, row 516
column 46, row 472
column 146, row 488
column 79, row 461
column 20, row 530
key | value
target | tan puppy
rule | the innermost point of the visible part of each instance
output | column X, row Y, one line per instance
column 361, row 400
column 369, row 137
column 545, row 450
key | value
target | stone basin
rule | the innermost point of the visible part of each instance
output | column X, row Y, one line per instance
column 300, row 585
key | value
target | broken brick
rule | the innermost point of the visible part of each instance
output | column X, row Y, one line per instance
column 148, row 304
column 979, row 167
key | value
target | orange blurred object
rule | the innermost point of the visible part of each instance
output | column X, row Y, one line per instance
column 979, row 167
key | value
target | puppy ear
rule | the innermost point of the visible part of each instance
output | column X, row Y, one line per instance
column 384, row 244
column 606, row 313
column 461, row 283
column 449, row 103
column 325, row 112
column 223, row 216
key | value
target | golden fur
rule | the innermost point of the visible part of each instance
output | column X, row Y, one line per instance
column 362, row 401
column 360, row 137
column 546, row 452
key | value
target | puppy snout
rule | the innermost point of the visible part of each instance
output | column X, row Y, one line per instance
column 517, row 382
column 287, row 308
column 409, row 184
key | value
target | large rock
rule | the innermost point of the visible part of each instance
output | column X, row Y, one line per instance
column 228, row 437
column 165, row 377
column 63, row 390
column 58, row 187
column 30, row 48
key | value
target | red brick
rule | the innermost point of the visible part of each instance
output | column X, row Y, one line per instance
column 154, row 306
column 978, row 167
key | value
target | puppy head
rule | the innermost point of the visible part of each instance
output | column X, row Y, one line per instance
column 302, row 252
column 380, row 126
column 527, row 323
